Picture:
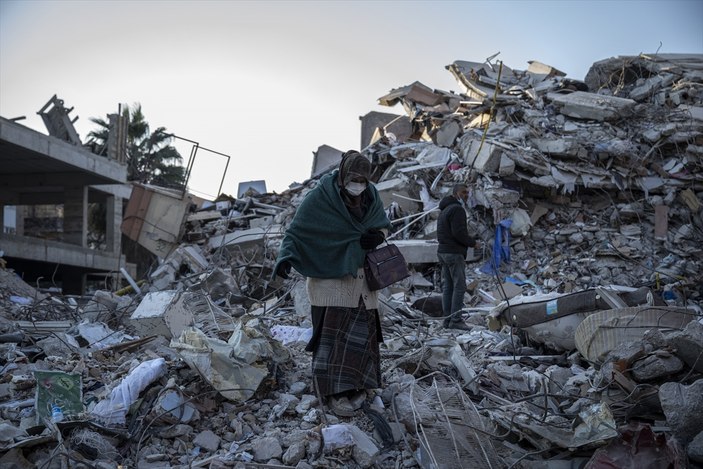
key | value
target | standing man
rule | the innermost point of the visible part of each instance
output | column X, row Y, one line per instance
column 454, row 241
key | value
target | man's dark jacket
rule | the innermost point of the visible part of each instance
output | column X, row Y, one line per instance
column 452, row 234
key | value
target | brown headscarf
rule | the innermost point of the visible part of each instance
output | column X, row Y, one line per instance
column 353, row 165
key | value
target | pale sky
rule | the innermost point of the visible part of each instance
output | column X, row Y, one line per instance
column 269, row 82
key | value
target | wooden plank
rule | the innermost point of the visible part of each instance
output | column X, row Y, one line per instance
column 136, row 212
column 661, row 221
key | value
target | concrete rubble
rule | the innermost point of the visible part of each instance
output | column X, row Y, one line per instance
column 586, row 340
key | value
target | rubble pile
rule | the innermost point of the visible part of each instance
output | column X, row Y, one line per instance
column 586, row 340
column 601, row 186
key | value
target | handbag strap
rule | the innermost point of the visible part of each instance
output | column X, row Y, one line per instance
column 381, row 245
column 385, row 240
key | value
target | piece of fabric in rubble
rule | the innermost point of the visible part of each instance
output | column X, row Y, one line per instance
column 322, row 241
column 228, row 366
column 113, row 409
column 501, row 248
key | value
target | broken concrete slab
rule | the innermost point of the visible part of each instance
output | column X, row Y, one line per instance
column 584, row 105
column 683, row 407
column 207, row 440
column 341, row 436
column 447, row 134
column 688, row 344
column 656, row 366
column 162, row 313
column 485, row 158
column 695, row 449
column 651, row 85
column 245, row 239
column 325, row 159
column 398, row 190
column 416, row 92
column 564, row 147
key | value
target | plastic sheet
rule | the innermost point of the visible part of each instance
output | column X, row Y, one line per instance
column 217, row 362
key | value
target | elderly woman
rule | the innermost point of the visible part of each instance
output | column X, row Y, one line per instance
column 336, row 224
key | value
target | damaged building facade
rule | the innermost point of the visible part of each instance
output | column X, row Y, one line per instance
column 47, row 183
column 586, row 340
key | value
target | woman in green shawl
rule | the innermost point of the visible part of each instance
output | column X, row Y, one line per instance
column 336, row 224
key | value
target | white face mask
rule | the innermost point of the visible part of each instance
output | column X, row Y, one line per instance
column 355, row 188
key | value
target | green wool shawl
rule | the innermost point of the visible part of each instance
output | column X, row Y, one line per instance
column 322, row 241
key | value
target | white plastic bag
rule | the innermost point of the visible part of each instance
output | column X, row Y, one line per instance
column 112, row 410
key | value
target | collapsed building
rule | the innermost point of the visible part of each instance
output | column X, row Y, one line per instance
column 586, row 340
column 40, row 238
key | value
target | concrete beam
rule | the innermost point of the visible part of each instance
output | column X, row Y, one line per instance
column 44, row 178
column 22, row 143
column 49, row 197
column 113, row 223
column 123, row 191
column 54, row 252
column 583, row 105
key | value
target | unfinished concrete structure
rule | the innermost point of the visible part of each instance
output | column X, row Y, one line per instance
column 55, row 170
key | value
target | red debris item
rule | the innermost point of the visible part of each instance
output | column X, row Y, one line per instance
column 639, row 448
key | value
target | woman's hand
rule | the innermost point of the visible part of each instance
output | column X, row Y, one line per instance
column 283, row 269
column 371, row 239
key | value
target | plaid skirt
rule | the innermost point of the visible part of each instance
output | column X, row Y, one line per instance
column 345, row 351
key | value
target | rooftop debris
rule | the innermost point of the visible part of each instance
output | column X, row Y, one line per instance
column 586, row 340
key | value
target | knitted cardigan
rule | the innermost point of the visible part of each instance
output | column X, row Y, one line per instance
column 344, row 291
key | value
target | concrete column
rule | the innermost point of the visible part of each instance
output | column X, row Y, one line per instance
column 20, row 212
column 75, row 216
column 113, row 228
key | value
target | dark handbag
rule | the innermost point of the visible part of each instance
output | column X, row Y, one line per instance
column 385, row 266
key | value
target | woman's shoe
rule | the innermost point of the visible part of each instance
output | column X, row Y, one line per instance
column 357, row 400
column 340, row 406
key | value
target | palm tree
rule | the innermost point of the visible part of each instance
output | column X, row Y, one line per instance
column 151, row 158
